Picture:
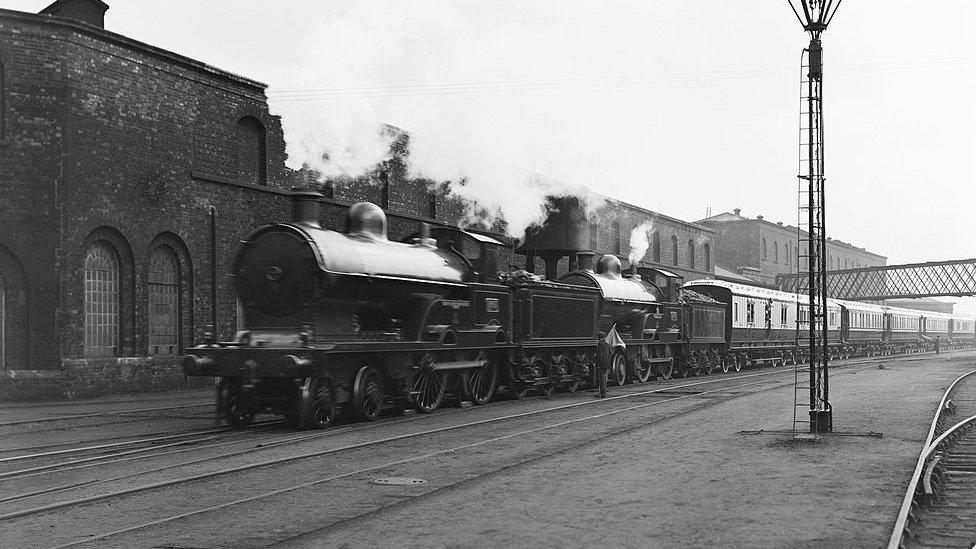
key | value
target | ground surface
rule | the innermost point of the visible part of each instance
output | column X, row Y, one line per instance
column 687, row 470
column 695, row 481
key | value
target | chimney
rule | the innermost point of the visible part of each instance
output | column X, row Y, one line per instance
column 86, row 11
column 585, row 260
column 759, row 217
column 305, row 206
column 736, row 212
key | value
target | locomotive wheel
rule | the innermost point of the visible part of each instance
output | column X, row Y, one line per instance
column 239, row 410
column 480, row 383
column 665, row 369
column 642, row 369
column 618, row 369
column 740, row 360
column 322, row 409
column 430, row 385
column 793, row 359
column 708, row 363
column 368, row 394
column 567, row 366
column 546, row 370
column 519, row 390
column 725, row 364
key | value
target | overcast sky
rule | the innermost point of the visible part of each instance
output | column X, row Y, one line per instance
column 677, row 106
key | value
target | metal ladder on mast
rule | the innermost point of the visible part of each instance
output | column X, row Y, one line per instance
column 809, row 380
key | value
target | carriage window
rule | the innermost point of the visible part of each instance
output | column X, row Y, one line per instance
column 735, row 311
column 750, row 312
column 782, row 314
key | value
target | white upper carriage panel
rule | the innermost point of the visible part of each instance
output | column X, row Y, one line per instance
column 937, row 323
column 750, row 303
column 863, row 316
column 963, row 325
column 904, row 320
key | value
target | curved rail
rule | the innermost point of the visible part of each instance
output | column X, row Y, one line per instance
column 901, row 524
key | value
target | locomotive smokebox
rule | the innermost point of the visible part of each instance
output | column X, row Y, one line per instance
column 305, row 206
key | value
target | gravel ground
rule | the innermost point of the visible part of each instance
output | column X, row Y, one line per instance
column 695, row 481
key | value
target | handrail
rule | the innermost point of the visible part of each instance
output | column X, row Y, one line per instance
column 894, row 542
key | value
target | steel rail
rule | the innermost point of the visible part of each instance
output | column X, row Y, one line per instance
column 100, row 414
column 261, row 447
column 126, row 456
column 898, row 532
column 391, row 464
column 307, row 455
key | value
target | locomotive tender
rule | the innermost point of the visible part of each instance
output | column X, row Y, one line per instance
column 353, row 321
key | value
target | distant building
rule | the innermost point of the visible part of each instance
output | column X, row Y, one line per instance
column 759, row 250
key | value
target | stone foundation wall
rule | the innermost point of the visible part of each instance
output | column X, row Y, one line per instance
column 85, row 378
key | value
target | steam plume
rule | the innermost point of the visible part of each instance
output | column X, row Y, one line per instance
column 639, row 241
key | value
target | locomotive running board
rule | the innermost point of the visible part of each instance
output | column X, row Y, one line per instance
column 459, row 364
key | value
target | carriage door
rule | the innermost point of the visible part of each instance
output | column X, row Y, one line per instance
column 769, row 317
column 845, row 323
column 886, row 323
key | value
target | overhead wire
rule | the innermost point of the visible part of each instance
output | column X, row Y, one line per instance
column 494, row 86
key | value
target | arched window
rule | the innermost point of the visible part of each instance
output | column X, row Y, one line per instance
column 656, row 246
column 101, row 301
column 691, row 254
column 775, row 252
column 707, row 252
column 164, row 302
column 674, row 250
column 616, row 237
column 764, row 249
column 251, row 151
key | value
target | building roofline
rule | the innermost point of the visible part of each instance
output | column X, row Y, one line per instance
column 121, row 40
column 790, row 228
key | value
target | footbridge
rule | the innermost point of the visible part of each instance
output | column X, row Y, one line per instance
column 932, row 279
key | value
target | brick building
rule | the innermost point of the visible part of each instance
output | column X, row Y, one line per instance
column 128, row 174
column 759, row 250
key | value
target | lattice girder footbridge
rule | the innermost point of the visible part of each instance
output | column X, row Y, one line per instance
column 932, row 279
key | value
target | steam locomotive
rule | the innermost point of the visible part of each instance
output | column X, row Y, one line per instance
column 355, row 322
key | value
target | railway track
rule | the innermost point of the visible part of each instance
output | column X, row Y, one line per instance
column 939, row 507
column 346, row 459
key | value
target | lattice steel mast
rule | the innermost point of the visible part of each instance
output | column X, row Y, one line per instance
column 814, row 15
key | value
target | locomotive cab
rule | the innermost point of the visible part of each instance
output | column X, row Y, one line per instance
column 482, row 252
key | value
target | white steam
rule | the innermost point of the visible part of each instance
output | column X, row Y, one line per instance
column 640, row 242
column 417, row 65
